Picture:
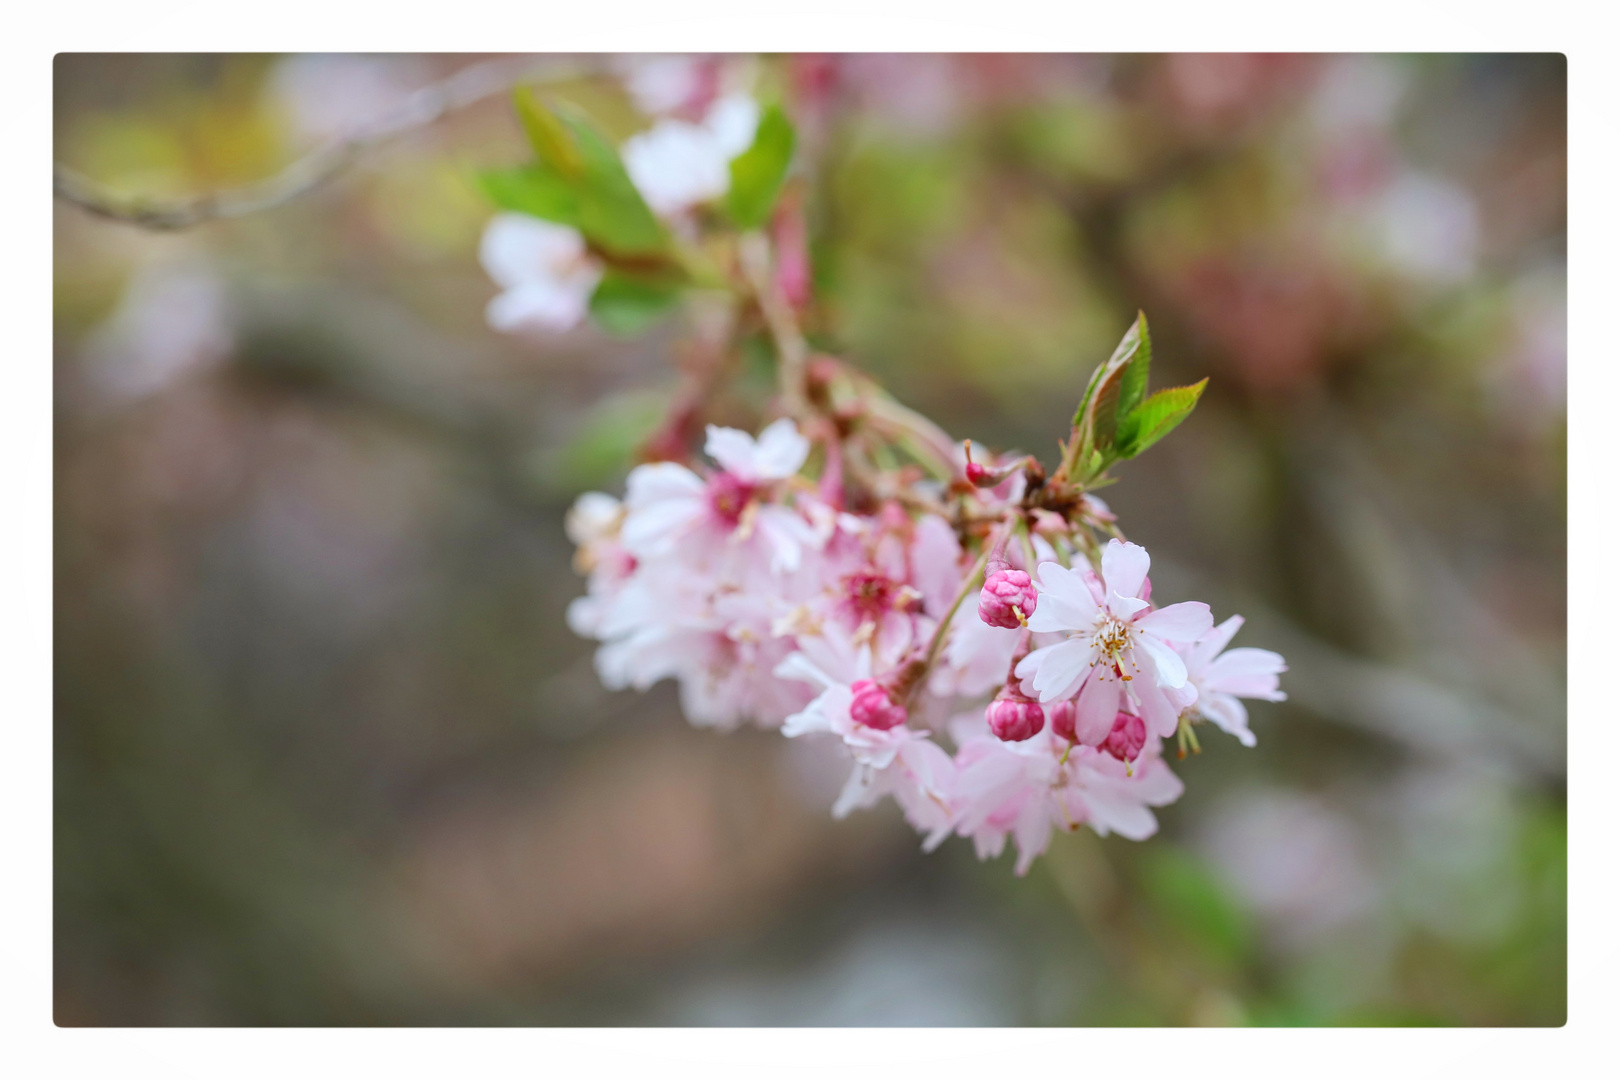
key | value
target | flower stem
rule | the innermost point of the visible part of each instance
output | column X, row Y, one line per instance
column 937, row 642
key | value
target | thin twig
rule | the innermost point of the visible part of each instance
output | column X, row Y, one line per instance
column 422, row 108
column 792, row 352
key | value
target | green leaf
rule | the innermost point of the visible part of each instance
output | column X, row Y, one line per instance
column 532, row 190
column 757, row 173
column 627, row 305
column 611, row 212
column 1156, row 418
column 1139, row 347
column 578, row 181
column 1104, row 411
column 553, row 143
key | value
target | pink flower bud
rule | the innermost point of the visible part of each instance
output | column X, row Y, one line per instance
column 979, row 476
column 1063, row 719
column 1126, row 739
column 1014, row 717
column 1005, row 594
column 873, row 707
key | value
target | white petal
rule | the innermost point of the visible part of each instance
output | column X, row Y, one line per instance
column 1228, row 714
column 1061, row 668
column 1168, row 668
column 798, row 666
column 1054, row 615
column 540, row 304
column 733, row 450
column 1124, row 608
column 732, row 121
column 659, row 481
column 780, row 452
column 1068, row 588
column 1124, row 567
column 676, row 165
column 517, row 248
column 1179, row 622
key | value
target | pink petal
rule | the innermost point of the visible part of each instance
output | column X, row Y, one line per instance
column 1228, row 714
column 1186, row 621
column 1095, row 709
column 1158, row 712
column 1168, row 668
column 1124, row 567
column 1067, row 588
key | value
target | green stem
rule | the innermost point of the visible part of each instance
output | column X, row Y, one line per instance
column 937, row 642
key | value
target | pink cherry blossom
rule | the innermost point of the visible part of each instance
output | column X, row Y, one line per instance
column 544, row 270
column 1117, row 646
column 1025, row 789
column 668, row 506
column 677, row 165
column 1221, row 678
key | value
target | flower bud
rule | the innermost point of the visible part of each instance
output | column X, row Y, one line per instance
column 1126, row 738
column 873, row 707
column 979, row 476
column 1063, row 719
column 1005, row 595
column 1014, row 717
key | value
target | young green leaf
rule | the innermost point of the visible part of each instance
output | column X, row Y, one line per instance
column 612, row 212
column 553, row 143
column 532, row 190
column 627, row 305
column 757, row 173
column 1156, row 417
column 1139, row 348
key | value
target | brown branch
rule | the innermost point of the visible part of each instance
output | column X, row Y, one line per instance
column 421, row 109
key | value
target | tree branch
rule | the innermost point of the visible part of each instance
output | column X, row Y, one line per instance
column 421, row 109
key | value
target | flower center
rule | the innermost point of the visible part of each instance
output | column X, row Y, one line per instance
column 1112, row 641
column 729, row 496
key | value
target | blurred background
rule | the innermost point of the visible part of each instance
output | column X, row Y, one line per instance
column 326, row 753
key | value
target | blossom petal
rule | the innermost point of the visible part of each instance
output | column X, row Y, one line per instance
column 732, row 450
column 1179, row 622
column 1068, row 588
column 1168, row 668
column 1095, row 709
column 1056, row 615
column 1247, row 672
column 1158, row 711
column 1060, row 669
column 1228, row 714
column 780, row 452
column 1125, row 608
column 1124, row 567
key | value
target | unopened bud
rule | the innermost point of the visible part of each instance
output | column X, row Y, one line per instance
column 1014, row 717
column 979, row 476
column 1126, row 738
column 1063, row 719
column 1007, row 599
column 873, row 707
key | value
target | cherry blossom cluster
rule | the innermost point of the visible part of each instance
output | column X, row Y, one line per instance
column 770, row 603
column 973, row 632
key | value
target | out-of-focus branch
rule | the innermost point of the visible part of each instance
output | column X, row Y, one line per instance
column 420, row 109
column 792, row 352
